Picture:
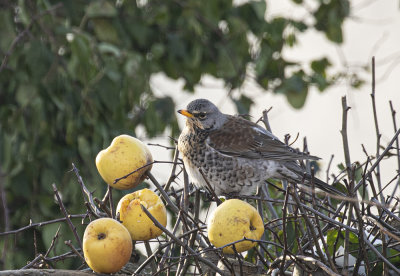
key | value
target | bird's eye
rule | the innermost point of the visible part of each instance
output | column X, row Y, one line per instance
column 202, row 116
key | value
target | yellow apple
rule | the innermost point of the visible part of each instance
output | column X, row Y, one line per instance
column 125, row 155
column 233, row 220
column 135, row 220
column 107, row 245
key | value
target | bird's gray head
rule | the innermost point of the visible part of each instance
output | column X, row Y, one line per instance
column 203, row 114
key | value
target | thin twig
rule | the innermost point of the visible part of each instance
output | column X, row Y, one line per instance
column 40, row 224
column 33, row 262
column 172, row 176
column 149, row 254
column 378, row 134
column 285, row 245
column 265, row 119
column 260, row 210
column 163, row 193
column 344, row 135
column 67, row 216
column 89, row 196
column 69, row 243
column 328, row 168
column 110, row 200
column 140, row 168
column 397, row 149
column 53, row 242
column 161, row 146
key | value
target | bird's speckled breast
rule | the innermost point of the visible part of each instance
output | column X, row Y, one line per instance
column 226, row 174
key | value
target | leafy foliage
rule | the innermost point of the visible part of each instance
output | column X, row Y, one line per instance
column 77, row 73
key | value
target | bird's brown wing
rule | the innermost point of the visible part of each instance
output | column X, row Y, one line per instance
column 242, row 138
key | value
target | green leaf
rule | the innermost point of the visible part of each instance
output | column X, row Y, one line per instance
column 160, row 16
column 356, row 81
column 320, row 66
column 394, row 260
column 321, row 82
column 105, row 30
column 109, row 49
column 176, row 46
column 358, row 172
column 291, row 39
column 334, row 235
column 133, row 64
column 243, row 104
column 331, row 237
column 377, row 269
column 157, row 50
column 140, row 33
column 100, row 8
column 195, row 26
column 291, row 236
column 264, row 56
column 25, row 93
column 329, row 18
column 84, row 148
column 259, row 8
column 38, row 59
column 340, row 187
column 165, row 108
column 80, row 65
column 225, row 66
column 251, row 255
column 194, row 58
column 299, row 25
column 295, row 89
column 335, row 33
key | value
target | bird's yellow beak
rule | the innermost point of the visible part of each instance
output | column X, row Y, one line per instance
column 185, row 113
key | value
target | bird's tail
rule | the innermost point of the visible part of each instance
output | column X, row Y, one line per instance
column 294, row 173
column 322, row 185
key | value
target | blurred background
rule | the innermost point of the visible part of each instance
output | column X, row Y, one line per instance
column 75, row 74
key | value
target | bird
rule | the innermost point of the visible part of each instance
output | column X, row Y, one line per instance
column 234, row 155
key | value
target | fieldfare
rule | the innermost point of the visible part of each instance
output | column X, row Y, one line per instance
column 236, row 155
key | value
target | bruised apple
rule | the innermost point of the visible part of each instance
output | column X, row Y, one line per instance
column 139, row 225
